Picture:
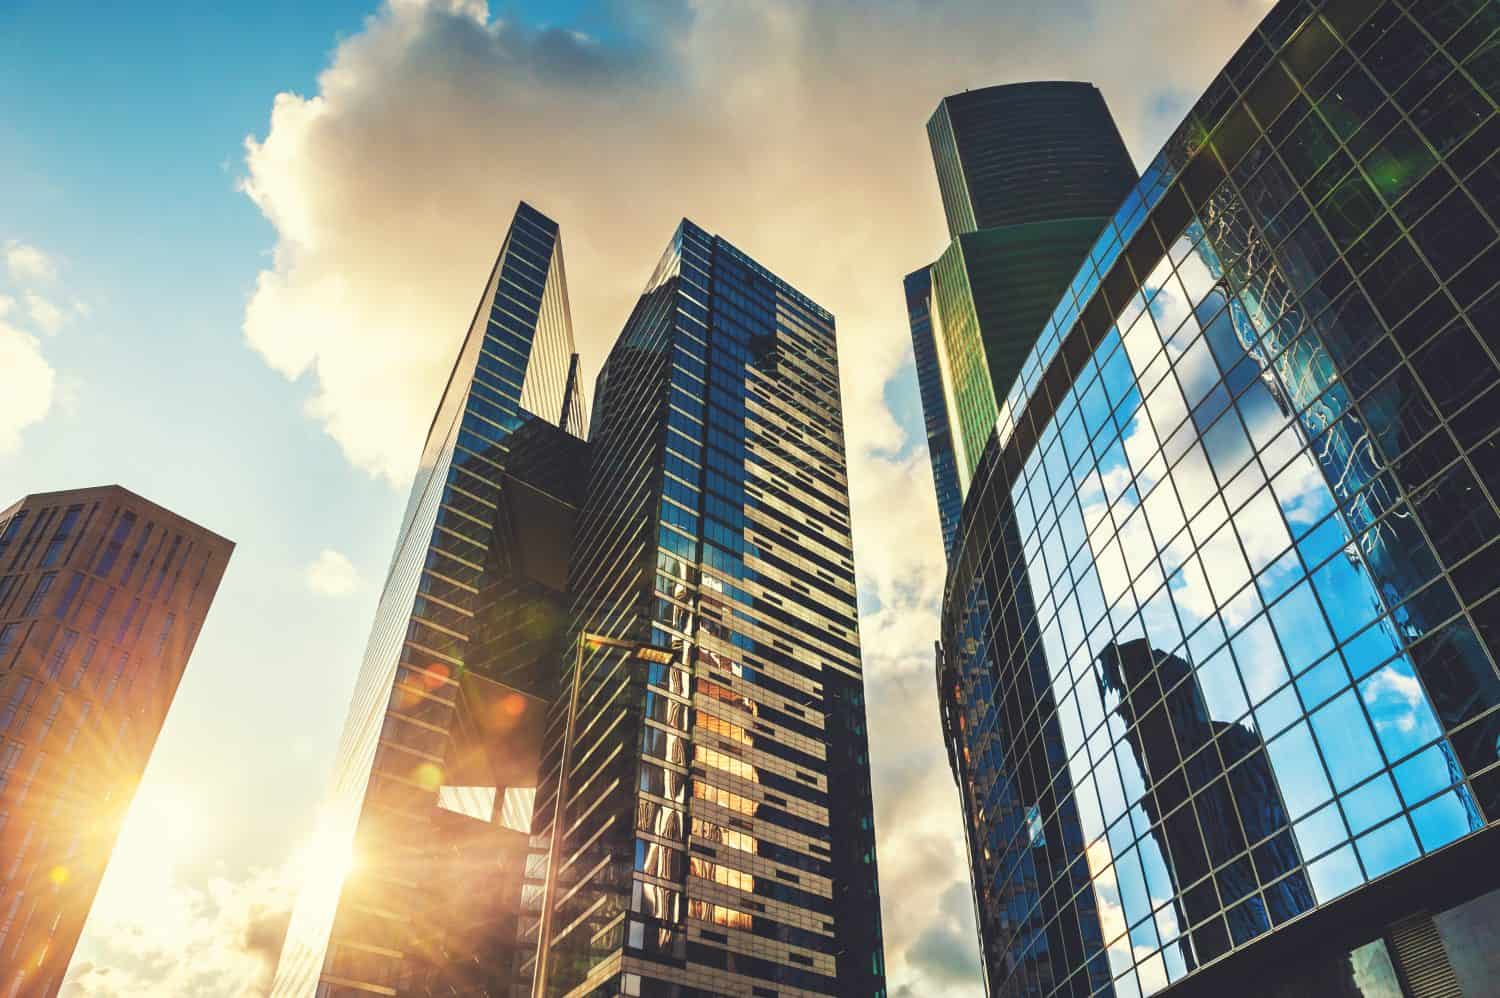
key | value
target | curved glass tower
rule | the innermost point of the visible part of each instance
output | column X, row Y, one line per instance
column 1021, row 153
column 1221, row 625
column 1029, row 173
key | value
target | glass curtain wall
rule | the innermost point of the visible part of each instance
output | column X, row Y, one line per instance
column 361, row 928
column 718, row 829
column 1221, row 627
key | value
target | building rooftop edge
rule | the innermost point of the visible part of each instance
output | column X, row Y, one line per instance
column 117, row 489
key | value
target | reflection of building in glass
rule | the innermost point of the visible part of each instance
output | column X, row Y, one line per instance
column 1234, row 800
column 1029, row 173
column 473, row 867
column 717, row 833
column 441, row 748
column 1229, row 556
column 102, row 595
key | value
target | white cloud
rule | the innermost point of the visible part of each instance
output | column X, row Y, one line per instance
column 27, row 385
column 28, row 265
column 930, row 936
column 218, row 940
column 47, row 316
column 797, row 132
column 1395, row 699
column 172, row 921
column 1396, row 682
column 331, row 574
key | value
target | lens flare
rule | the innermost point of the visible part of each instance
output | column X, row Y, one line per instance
column 429, row 776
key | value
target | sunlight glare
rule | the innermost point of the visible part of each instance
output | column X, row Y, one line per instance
column 326, row 857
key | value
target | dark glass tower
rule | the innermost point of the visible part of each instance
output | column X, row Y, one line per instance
column 1027, row 152
column 1220, row 630
column 1029, row 174
column 991, row 292
column 667, row 613
column 102, row 595
column 936, row 415
column 718, row 831
column 438, row 764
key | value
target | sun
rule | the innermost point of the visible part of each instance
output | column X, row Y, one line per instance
column 326, row 855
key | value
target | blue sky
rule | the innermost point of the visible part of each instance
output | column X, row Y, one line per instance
column 121, row 166
column 122, row 169
column 263, row 331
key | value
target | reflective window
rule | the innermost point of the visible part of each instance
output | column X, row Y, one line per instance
column 1221, row 630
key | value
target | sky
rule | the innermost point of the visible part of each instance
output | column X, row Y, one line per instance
column 239, row 245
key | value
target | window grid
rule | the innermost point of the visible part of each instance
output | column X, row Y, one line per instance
column 1333, row 396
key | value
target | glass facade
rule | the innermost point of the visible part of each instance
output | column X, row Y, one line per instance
column 715, row 830
column 1027, row 152
column 102, row 595
column 1028, row 174
column 437, row 767
column 718, row 829
column 936, row 415
column 1220, row 631
column 991, row 291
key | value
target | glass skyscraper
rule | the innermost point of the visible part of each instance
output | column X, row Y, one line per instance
column 1221, row 625
column 1027, row 152
column 1029, row 173
column 438, row 764
column 643, row 649
column 102, row 596
column 937, row 418
column 718, row 827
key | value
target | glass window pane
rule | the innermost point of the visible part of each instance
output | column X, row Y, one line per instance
column 1370, row 804
column 1335, row 874
column 1299, row 622
column 1347, row 744
column 1445, row 818
column 1387, row 847
column 1398, row 705
column 1321, row 831
column 1303, row 784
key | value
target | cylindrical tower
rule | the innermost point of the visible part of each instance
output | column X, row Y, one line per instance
column 1027, row 152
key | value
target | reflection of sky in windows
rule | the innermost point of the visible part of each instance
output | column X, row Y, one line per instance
column 1260, row 490
column 1194, row 529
